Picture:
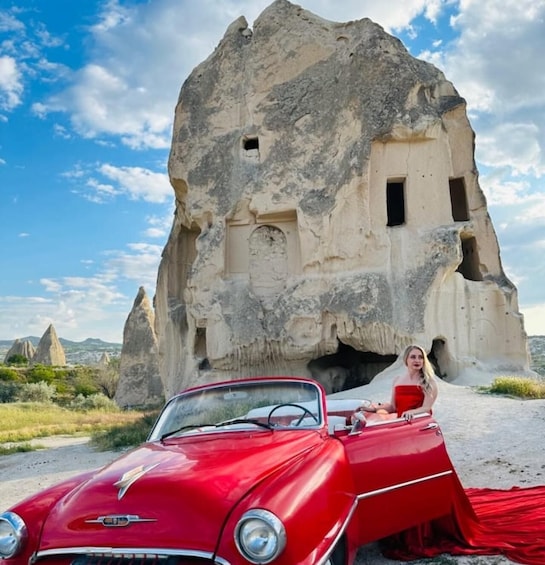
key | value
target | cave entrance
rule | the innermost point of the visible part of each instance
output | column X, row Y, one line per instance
column 348, row 368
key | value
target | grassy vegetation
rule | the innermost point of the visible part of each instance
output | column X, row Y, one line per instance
column 519, row 387
column 125, row 435
column 23, row 421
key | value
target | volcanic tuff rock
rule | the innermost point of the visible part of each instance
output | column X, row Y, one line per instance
column 139, row 380
column 49, row 350
column 24, row 348
column 328, row 213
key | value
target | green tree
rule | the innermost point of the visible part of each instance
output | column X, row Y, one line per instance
column 17, row 359
column 107, row 378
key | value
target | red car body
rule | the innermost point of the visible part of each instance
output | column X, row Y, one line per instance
column 289, row 482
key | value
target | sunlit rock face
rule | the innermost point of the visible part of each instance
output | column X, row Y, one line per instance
column 328, row 213
column 20, row 347
column 139, row 379
column 50, row 350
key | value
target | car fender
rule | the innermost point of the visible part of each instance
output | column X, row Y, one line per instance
column 34, row 510
column 314, row 498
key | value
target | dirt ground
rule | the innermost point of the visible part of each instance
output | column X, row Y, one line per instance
column 493, row 442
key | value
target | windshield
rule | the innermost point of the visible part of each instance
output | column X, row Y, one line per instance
column 256, row 404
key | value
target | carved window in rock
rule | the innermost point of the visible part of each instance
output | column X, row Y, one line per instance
column 458, row 200
column 268, row 261
column 469, row 267
column 250, row 146
column 395, row 202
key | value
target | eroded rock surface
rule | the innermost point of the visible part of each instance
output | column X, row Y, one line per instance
column 139, row 379
column 328, row 213
column 21, row 347
column 50, row 350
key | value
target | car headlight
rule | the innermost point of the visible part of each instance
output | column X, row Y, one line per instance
column 13, row 534
column 260, row 536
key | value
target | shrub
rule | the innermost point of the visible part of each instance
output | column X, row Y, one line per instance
column 7, row 374
column 9, row 392
column 36, row 392
column 17, row 359
column 127, row 435
column 40, row 373
column 519, row 387
column 96, row 401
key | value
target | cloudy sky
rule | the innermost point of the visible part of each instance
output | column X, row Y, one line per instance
column 87, row 96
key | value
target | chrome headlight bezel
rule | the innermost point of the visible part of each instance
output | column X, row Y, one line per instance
column 269, row 528
column 13, row 535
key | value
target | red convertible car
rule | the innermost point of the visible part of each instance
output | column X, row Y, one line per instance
column 259, row 470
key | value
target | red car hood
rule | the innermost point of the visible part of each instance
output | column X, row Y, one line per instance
column 175, row 495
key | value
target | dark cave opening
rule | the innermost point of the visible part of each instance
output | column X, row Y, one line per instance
column 348, row 368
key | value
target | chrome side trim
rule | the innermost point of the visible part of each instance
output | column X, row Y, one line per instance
column 403, row 485
column 333, row 545
column 140, row 552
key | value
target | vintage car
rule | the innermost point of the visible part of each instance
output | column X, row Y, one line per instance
column 258, row 470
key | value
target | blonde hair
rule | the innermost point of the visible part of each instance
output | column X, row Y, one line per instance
column 427, row 373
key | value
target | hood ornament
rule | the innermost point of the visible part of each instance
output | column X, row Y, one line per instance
column 131, row 477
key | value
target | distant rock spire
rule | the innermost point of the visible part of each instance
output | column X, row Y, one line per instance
column 139, row 379
column 49, row 351
column 21, row 347
column 104, row 360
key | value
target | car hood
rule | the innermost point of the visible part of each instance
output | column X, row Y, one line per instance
column 171, row 495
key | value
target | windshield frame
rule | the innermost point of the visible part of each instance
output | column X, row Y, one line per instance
column 210, row 408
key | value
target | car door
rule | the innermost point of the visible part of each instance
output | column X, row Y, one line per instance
column 402, row 474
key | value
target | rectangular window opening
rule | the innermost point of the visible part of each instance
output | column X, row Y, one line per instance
column 458, row 200
column 395, row 202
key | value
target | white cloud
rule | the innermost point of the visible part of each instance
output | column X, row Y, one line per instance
column 11, row 85
column 139, row 183
column 73, row 304
column 142, row 53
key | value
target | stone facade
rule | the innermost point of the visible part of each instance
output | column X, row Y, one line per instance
column 328, row 213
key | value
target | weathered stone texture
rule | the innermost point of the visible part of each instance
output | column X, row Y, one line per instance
column 50, row 350
column 139, row 380
column 327, row 202
column 21, row 347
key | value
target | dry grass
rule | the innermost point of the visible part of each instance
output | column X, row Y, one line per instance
column 23, row 421
column 518, row 387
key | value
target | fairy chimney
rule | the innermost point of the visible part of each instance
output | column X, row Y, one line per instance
column 139, row 380
column 328, row 213
column 49, row 350
column 21, row 347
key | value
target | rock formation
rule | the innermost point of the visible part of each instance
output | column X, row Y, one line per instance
column 328, row 213
column 49, row 350
column 21, row 347
column 139, row 379
column 104, row 360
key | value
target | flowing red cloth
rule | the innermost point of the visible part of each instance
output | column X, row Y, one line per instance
column 482, row 522
column 408, row 397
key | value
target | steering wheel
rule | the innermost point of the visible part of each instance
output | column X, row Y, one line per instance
column 306, row 412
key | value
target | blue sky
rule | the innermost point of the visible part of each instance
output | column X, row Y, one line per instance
column 87, row 96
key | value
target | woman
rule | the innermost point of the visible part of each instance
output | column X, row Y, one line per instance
column 482, row 521
column 413, row 392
